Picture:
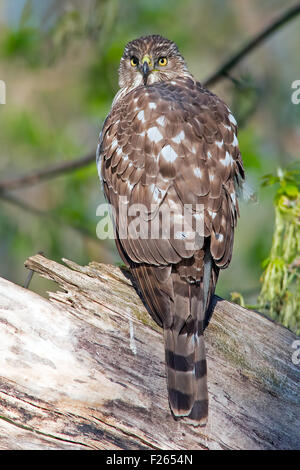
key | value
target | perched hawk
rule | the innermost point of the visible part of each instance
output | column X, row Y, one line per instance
column 167, row 148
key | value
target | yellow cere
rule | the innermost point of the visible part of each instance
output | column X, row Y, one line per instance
column 147, row 59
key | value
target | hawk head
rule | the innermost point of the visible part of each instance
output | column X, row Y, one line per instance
column 148, row 60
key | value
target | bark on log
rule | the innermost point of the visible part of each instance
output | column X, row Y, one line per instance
column 85, row 370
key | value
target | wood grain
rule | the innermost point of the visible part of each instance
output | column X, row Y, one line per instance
column 85, row 370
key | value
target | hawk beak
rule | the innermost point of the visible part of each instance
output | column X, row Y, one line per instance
column 146, row 61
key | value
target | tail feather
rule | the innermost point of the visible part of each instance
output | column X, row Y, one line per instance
column 180, row 302
column 186, row 375
column 185, row 354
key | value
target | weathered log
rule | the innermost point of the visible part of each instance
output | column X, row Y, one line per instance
column 85, row 370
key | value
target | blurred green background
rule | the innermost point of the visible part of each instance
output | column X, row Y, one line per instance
column 59, row 60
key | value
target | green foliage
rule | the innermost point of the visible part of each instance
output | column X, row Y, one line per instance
column 74, row 208
column 22, row 44
column 99, row 92
column 249, row 143
column 30, row 134
column 69, row 25
column 237, row 298
column 280, row 293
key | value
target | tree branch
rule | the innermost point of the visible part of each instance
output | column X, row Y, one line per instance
column 48, row 215
column 252, row 44
column 85, row 369
column 52, row 171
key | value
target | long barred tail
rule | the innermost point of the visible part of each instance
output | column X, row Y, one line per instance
column 181, row 307
column 187, row 376
column 185, row 355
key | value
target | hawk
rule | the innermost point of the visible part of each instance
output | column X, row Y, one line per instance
column 169, row 144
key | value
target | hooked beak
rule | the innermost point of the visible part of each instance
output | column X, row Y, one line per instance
column 145, row 71
column 146, row 61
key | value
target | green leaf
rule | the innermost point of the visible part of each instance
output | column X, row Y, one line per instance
column 265, row 262
column 291, row 190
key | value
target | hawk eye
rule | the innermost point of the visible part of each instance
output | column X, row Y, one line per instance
column 162, row 61
column 134, row 61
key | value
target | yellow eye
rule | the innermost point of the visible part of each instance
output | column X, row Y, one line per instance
column 162, row 61
column 134, row 61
